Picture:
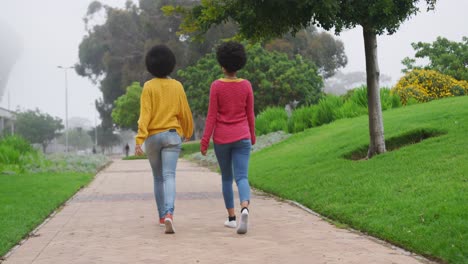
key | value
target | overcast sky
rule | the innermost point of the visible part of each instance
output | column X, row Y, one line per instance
column 51, row 31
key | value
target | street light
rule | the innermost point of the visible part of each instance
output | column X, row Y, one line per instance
column 66, row 104
column 95, row 127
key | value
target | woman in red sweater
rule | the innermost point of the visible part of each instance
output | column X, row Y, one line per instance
column 231, row 122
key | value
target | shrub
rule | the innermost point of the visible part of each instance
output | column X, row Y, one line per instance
column 328, row 110
column 271, row 120
column 276, row 79
column 9, row 155
column 351, row 109
column 358, row 96
column 301, row 119
column 15, row 153
column 427, row 85
column 18, row 143
column 457, row 90
column 388, row 99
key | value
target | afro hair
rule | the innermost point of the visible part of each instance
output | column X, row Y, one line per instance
column 160, row 61
column 231, row 56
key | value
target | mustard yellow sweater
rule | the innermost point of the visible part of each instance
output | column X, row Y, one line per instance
column 163, row 106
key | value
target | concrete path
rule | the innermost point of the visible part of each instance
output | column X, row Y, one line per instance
column 114, row 220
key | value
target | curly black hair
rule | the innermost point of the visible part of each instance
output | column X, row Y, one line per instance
column 160, row 61
column 231, row 56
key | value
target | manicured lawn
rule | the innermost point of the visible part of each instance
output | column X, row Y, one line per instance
column 27, row 199
column 415, row 196
column 191, row 147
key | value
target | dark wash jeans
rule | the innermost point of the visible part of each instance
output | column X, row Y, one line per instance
column 233, row 159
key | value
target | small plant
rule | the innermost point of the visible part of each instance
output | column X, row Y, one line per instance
column 388, row 99
column 350, row 109
column 18, row 143
column 271, row 120
column 15, row 154
column 358, row 96
column 301, row 119
column 327, row 110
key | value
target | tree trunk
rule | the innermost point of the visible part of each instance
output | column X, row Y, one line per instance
column 376, row 130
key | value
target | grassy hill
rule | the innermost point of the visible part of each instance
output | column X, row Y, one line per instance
column 415, row 196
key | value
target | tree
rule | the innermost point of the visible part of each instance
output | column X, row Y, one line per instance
column 127, row 107
column 445, row 56
column 276, row 79
column 106, row 138
column 319, row 47
column 78, row 139
column 38, row 127
column 112, row 53
column 259, row 20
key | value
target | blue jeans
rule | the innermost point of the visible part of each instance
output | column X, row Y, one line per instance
column 233, row 160
column 163, row 151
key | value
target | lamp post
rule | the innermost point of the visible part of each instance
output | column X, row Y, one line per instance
column 66, row 104
column 95, row 129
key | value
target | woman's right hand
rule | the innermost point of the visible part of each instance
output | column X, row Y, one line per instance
column 139, row 151
column 203, row 150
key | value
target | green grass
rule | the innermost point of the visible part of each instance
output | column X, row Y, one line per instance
column 135, row 157
column 27, row 199
column 415, row 196
column 191, row 147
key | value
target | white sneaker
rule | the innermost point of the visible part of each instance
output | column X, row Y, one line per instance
column 230, row 224
column 243, row 222
column 168, row 223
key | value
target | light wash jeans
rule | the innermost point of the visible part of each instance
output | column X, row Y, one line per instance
column 163, row 151
column 233, row 160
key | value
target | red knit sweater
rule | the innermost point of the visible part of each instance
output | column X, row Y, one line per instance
column 230, row 113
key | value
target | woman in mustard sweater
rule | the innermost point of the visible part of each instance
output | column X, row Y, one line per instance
column 165, row 117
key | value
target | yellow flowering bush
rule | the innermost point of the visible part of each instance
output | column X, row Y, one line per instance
column 427, row 85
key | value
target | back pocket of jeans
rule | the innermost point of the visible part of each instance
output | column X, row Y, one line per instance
column 173, row 139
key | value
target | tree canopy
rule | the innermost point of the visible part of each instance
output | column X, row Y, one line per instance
column 276, row 79
column 38, row 127
column 127, row 108
column 445, row 56
column 321, row 48
column 259, row 20
column 112, row 53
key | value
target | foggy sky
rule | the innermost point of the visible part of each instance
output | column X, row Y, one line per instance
column 10, row 48
column 51, row 31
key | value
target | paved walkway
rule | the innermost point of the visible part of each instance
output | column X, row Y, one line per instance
column 114, row 220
